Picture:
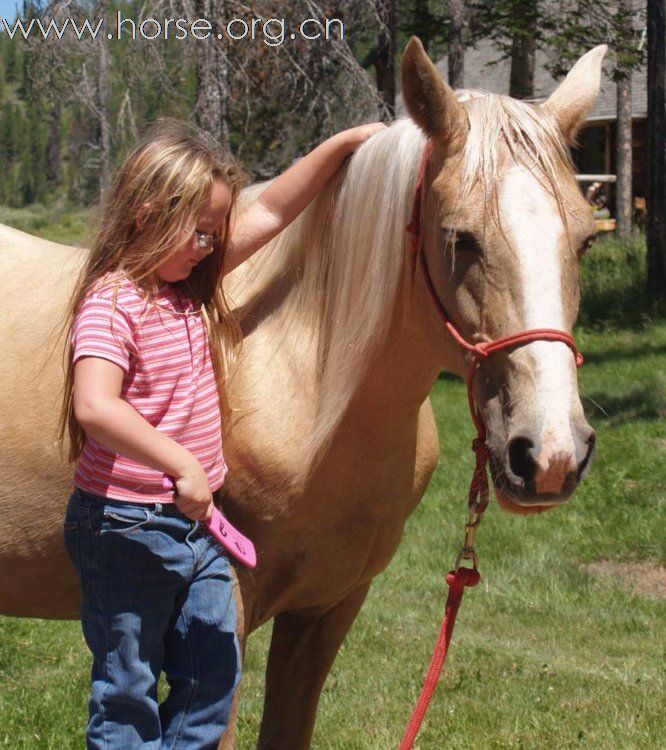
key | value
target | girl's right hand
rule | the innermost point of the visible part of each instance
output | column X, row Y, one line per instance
column 194, row 497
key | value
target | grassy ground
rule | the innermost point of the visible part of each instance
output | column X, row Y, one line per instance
column 613, row 282
column 548, row 653
column 71, row 226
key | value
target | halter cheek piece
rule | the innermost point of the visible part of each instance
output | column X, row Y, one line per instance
column 478, row 493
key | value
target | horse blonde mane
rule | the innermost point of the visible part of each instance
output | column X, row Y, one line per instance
column 337, row 270
column 339, row 276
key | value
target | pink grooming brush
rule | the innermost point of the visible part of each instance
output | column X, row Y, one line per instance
column 229, row 537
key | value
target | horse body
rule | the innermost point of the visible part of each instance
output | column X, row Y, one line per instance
column 37, row 277
column 332, row 439
column 268, row 490
column 357, row 500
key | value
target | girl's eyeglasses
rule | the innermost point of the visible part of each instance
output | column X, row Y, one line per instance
column 206, row 240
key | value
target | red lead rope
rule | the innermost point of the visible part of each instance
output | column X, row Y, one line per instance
column 461, row 577
column 457, row 580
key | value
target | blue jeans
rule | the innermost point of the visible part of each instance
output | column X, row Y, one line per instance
column 157, row 595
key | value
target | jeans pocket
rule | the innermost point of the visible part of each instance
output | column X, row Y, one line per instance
column 124, row 520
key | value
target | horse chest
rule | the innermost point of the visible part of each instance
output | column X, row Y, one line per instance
column 339, row 533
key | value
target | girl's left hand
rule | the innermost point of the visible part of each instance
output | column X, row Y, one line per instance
column 354, row 137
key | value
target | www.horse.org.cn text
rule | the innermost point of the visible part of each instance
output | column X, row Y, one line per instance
column 273, row 32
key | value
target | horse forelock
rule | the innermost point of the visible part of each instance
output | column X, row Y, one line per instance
column 505, row 131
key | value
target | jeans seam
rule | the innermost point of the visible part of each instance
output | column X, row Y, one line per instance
column 177, row 736
column 96, row 595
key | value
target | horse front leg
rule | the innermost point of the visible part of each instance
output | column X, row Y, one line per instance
column 303, row 648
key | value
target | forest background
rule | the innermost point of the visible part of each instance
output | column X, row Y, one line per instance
column 71, row 106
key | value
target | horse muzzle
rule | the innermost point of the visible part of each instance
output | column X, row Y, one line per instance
column 540, row 474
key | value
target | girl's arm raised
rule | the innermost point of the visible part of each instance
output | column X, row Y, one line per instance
column 285, row 198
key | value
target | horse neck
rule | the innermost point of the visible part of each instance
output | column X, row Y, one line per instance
column 405, row 368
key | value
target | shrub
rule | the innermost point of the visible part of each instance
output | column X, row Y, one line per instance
column 613, row 282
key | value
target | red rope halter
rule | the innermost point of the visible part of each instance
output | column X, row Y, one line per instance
column 479, row 488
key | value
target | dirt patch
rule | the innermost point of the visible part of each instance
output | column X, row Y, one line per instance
column 646, row 579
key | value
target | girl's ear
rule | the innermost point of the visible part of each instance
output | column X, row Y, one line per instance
column 141, row 215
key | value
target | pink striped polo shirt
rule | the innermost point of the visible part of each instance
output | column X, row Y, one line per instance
column 162, row 346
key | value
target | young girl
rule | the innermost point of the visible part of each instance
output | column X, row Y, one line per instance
column 149, row 331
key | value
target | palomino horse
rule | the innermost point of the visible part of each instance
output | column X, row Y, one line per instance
column 332, row 441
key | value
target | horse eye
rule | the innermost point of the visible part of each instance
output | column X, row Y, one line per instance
column 466, row 242
column 461, row 241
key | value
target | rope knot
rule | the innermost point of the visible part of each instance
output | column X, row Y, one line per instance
column 458, row 579
column 481, row 449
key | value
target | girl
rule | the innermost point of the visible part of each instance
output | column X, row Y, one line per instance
column 150, row 329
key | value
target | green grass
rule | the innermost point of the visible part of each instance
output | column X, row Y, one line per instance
column 545, row 655
column 69, row 226
column 613, row 284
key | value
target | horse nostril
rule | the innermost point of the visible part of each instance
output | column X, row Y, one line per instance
column 522, row 460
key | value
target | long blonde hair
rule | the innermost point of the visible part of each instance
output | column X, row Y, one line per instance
column 173, row 170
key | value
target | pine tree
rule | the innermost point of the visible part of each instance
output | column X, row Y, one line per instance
column 517, row 28
column 10, row 52
column 656, row 234
column 2, row 68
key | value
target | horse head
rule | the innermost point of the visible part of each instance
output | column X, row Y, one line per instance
column 503, row 228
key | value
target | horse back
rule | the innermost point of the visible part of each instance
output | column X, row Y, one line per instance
column 36, row 280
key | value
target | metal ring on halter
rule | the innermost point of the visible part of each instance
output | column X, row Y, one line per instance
column 467, row 553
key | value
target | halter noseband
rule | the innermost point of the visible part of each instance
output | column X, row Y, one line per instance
column 479, row 489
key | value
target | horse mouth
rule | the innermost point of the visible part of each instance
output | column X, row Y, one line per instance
column 512, row 503
column 522, row 498
column 521, row 495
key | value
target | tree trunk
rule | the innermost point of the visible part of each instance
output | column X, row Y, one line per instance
column 53, row 151
column 656, row 157
column 623, row 156
column 457, row 44
column 223, row 86
column 385, row 61
column 212, row 106
column 422, row 22
column 523, row 50
column 104, row 126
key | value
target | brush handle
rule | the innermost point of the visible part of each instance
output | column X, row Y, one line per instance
column 226, row 534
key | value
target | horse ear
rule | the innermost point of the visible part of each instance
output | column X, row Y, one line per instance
column 575, row 96
column 431, row 102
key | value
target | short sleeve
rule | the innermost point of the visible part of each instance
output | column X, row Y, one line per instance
column 103, row 329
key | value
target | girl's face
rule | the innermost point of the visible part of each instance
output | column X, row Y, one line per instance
column 179, row 265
